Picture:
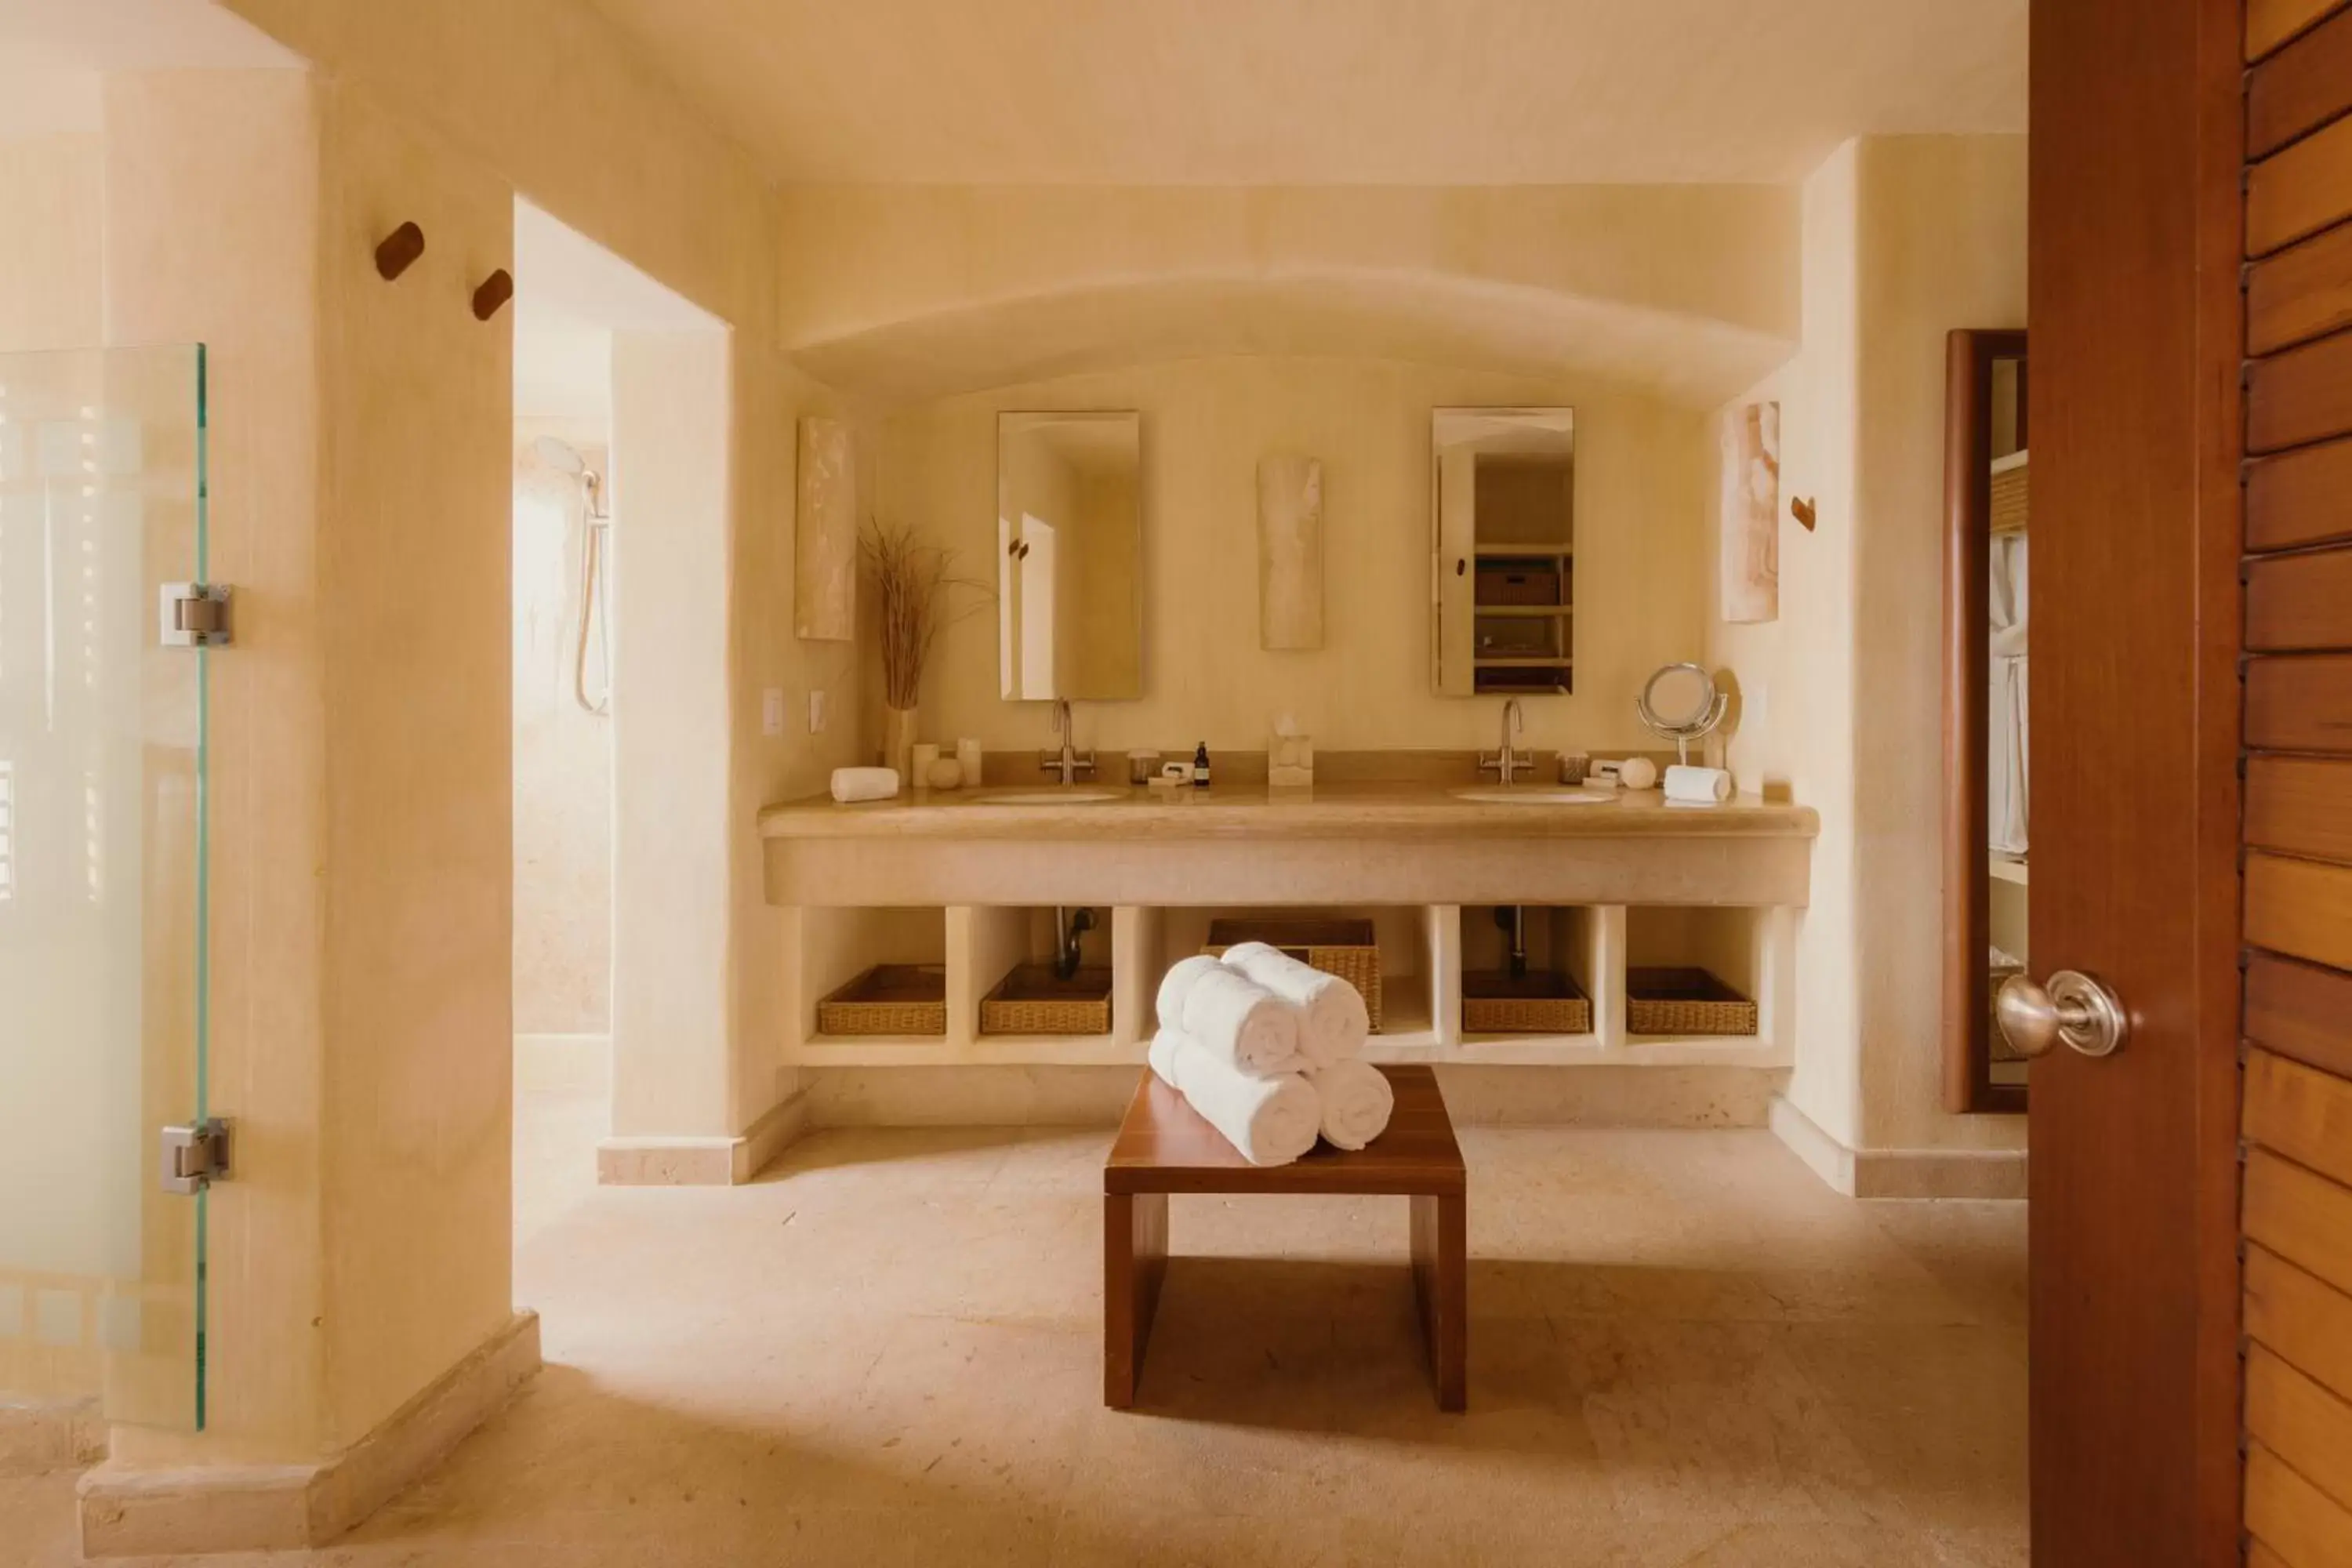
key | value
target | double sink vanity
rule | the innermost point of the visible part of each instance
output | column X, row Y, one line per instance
column 907, row 921
column 977, row 882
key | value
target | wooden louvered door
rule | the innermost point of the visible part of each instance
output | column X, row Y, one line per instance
column 2134, row 303
column 2297, row 1209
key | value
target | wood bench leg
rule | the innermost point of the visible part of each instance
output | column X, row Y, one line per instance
column 1441, row 1279
column 1135, row 1262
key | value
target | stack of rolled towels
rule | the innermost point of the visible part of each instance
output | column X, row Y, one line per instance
column 1269, row 1050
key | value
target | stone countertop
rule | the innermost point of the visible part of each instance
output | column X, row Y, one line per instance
column 1352, row 810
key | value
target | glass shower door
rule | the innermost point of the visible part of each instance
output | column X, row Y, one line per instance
column 102, row 960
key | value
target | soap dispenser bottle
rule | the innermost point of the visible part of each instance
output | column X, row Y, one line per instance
column 1201, row 765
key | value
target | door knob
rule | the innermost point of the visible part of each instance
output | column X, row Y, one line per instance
column 2077, row 1008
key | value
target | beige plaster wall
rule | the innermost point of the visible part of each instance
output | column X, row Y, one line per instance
column 670, row 742
column 213, row 233
column 1906, row 237
column 1945, row 247
column 374, row 1090
column 51, row 261
column 1640, row 512
column 560, row 107
column 419, row 787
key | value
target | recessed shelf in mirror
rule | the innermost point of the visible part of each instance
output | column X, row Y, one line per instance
column 1503, row 483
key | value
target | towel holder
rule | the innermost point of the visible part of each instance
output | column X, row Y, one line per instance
column 398, row 252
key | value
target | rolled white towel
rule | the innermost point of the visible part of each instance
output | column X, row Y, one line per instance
column 1357, row 1101
column 863, row 783
column 1333, row 1020
column 1229, row 1014
column 1177, row 984
column 1272, row 1121
column 1698, row 786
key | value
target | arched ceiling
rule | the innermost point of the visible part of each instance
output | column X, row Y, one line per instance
column 1442, row 93
column 1427, row 320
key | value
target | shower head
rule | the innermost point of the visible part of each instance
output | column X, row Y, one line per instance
column 560, row 456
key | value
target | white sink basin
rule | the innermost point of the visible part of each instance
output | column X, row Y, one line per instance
column 1046, row 797
column 1536, row 794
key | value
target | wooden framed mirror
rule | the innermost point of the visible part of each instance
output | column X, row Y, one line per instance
column 1986, row 845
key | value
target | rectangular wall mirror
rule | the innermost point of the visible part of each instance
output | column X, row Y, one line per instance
column 1986, row 841
column 1503, row 508
column 1069, row 557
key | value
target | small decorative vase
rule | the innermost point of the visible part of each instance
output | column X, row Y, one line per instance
column 899, row 743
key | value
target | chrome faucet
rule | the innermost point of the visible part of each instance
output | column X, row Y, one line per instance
column 1068, row 762
column 1505, row 764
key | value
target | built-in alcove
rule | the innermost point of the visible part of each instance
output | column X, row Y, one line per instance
column 1018, row 955
column 1674, row 951
column 834, row 947
column 1425, row 952
column 1412, row 956
column 1527, row 969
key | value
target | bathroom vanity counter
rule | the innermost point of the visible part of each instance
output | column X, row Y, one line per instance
column 1250, row 811
column 1357, row 842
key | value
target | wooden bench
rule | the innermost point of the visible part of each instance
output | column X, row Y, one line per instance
column 1165, row 1147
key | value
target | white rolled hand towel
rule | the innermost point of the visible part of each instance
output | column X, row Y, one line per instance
column 1701, row 787
column 1333, row 1020
column 1176, row 984
column 1272, row 1121
column 1229, row 1014
column 863, row 783
column 1357, row 1101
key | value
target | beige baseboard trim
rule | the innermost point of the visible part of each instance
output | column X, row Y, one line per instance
column 1981, row 1173
column 784, row 1125
column 131, row 1512
column 69, row 1435
column 688, row 1161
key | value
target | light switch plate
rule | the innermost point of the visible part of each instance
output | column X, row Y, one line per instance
column 816, row 712
column 771, row 710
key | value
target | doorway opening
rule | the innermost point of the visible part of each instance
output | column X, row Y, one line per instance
column 562, row 750
column 591, row 461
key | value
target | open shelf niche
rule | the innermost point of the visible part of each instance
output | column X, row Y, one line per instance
column 1424, row 949
column 978, row 946
column 1412, row 961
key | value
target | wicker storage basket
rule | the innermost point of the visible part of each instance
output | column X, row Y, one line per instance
column 1033, row 1000
column 1538, row 1003
column 1684, row 1001
column 1346, row 948
column 888, row 999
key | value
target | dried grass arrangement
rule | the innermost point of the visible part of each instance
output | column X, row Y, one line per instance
column 916, row 583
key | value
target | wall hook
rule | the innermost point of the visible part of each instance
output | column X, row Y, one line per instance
column 495, row 291
column 399, row 251
column 1801, row 509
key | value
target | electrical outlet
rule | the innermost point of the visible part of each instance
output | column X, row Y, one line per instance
column 816, row 712
column 771, row 710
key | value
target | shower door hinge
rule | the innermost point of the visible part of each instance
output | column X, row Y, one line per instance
column 193, row 1158
column 194, row 614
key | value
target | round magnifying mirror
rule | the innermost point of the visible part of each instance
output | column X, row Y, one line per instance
column 1678, row 700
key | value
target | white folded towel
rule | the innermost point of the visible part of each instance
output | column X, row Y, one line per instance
column 1176, row 984
column 1333, row 1020
column 1232, row 1016
column 1704, row 787
column 1272, row 1121
column 863, row 783
column 1357, row 1101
